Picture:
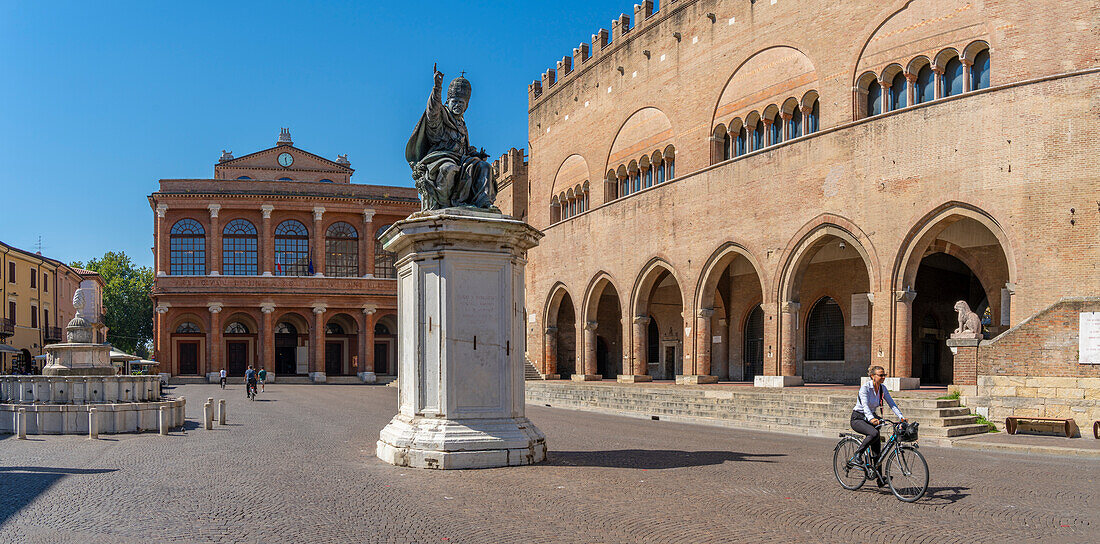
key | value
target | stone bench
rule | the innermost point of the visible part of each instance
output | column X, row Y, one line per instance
column 1068, row 425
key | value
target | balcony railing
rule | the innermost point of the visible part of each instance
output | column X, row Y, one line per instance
column 53, row 334
column 7, row 327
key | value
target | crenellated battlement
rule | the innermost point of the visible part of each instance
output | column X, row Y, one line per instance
column 511, row 164
column 600, row 44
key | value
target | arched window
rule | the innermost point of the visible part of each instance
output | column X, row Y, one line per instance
column 285, row 328
column 979, row 72
column 380, row 329
column 555, row 210
column 326, row 180
column 794, row 126
column 670, row 168
column 236, row 327
column 624, row 186
column 285, row 179
column 752, row 355
column 776, row 129
column 187, row 248
column 383, row 260
column 727, row 146
column 244, row 177
column 758, row 136
column 188, row 327
column 897, row 92
column 740, row 143
column 649, row 175
column 874, row 98
column 660, row 167
column 341, row 251
column 952, row 78
column 825, row 332
column 925, row 90
column 334, row 328
column 291, row 249
column 813, row 119
column 239, row 248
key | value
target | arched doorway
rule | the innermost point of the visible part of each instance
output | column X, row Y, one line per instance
column 239, row 337
column 957, row 254
column 560, row 340
column 341, row 341
column 828, row 285
column 602, row 321
column 385, row 345
column 731, row 287
column 752, row 354
column 187, row 341
column 658, row 295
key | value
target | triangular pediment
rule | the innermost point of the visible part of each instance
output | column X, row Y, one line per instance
column 268, row 159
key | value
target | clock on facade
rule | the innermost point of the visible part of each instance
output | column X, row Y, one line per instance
column 286, row 159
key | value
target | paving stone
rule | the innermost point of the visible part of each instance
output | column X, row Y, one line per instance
column 298, row 465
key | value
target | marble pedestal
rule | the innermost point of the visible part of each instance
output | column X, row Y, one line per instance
column 367, row 377
column 461, row 316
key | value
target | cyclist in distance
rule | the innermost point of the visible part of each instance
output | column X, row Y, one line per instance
column 250, row 381
column 871, row 396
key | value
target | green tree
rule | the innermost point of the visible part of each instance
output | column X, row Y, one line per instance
column 127, row 301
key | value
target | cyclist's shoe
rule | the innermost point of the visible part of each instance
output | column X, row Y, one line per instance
column 880, row 482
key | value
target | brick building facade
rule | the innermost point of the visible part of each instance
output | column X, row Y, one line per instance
column 786, row 191
column 275, row 263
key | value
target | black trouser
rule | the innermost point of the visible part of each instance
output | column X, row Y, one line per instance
column 864, row 427
column 250, row 385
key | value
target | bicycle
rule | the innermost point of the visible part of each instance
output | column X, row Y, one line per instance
column 905, row 470
column 251, row 391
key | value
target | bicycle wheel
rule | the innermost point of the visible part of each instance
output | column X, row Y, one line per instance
column 849, row 474
column 907, row 474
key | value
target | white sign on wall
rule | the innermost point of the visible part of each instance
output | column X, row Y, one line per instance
column 1089, row 339
column 716, row 340
column 861, row 309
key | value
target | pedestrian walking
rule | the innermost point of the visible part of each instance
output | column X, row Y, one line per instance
column 263, row 378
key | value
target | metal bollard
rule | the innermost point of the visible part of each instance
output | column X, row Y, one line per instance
column 93, row 424
column 163, row 421
column 208, row 415
column 221, row 411
column 21, row 424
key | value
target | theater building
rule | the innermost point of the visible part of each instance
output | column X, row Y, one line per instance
column 274, row 262
column 788, row 192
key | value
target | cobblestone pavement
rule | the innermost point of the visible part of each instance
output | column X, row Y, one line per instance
column 298, row 465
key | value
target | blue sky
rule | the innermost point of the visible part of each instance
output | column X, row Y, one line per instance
column 99, row 100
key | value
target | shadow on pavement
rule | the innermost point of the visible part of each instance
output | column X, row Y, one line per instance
column 19, row 486
column 652, row 459
column 944, row 495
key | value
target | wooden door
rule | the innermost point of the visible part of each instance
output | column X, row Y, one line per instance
column 381, row 358
column 236, row 358
column 334, row 360
column 189, row 357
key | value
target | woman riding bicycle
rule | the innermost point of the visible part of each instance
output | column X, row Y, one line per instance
column 871, row 396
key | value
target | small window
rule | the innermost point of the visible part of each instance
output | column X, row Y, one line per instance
column 45, row 318
column 236, row 327
column 795, row 124
column 776, row 129
column 187, row 327
column 11, row 272
column 244, row 177
column 979, row 72
column 34, row 316
column 739, row 144
column 34, row 279
column 953, row 78
column 326, row 180
column 897, row 92
column 11, row 311
column 924, row 91
column 758, row 136
column 45, row 282
column 874, row 98
column 814, row 118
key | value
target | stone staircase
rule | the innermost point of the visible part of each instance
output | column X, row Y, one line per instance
column 807, row 411
column 529, row 370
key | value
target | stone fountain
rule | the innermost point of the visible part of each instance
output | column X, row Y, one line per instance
column 77, row 377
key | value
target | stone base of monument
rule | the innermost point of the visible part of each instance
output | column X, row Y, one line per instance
column 631, row 378
column 318, row 377
column 778, row 381
column 367, row 377
column 460, row 307
column 695, row 379
column 456, row 444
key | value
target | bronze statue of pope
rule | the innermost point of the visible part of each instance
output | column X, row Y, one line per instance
column 448, row 171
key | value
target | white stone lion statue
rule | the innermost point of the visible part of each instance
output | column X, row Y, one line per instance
column 970, row 325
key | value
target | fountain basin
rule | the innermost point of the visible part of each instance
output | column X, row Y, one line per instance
column 113, row 418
